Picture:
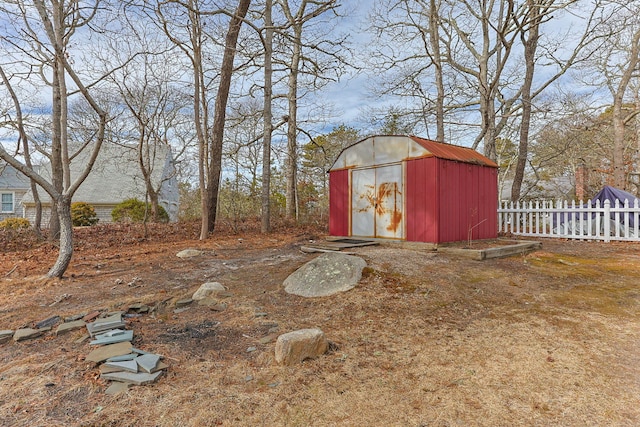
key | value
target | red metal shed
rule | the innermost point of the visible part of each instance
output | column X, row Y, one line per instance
column 413, row 189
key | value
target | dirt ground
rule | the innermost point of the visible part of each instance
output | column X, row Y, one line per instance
column 551, row 338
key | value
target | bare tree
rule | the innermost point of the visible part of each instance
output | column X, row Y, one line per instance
column 531, row 18
column 19, row 125
column 42, row 43
column 194, row 44
column 265, row 223
column 298, row 63
column 416, row 73
column 614, row 67
column 151, row 105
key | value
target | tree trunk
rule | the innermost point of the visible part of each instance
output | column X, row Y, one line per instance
column 265, row 225
column 200, row 114
column 220, row 113
column 619, row 172
column 292, row 129
column 56, row 150
column 37, row 221
column 63, row 208
column 436, row 58
column 530, row 47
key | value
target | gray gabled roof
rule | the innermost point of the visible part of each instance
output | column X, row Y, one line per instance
column 11, row 179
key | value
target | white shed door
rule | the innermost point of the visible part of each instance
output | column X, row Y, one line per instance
column 376, row 202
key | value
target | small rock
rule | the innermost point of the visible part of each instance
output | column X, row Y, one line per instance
column 27, row 334
column 189, row 253
column 208, row 289
column 139, row 308
column 47, row 323
column 218, row 307
column 269, row 338
column 5, row 335
column 251, row 349
column 180, row 310
column 183, row 302
column 261, row 314
column 296, row 346
column 74, row 317
column 207, row 302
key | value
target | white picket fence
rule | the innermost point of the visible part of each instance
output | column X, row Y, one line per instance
column 586, row 221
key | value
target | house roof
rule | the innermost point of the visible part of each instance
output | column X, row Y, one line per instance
column 114, row 177
column 384, row 149
column 11, row 179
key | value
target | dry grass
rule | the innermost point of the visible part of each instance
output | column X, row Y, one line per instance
column 551, row 338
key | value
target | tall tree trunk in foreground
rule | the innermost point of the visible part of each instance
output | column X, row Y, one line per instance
column 220, row 113
column 265, row 225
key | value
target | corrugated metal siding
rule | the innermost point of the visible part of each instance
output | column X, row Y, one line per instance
column 489, row 196
column 339, row 203
column 468, row 202
column 421, row 200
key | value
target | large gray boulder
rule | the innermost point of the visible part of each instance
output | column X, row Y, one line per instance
column 296, row 346
column 325, row 275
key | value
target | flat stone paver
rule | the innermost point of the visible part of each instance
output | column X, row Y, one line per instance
column 127, row 365
column 27, row 334
column 112, row 338
column 129, row 377
column 148, row 362
column 103, row 353
column 70, row 326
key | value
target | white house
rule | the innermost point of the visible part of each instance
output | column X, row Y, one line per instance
column 13, row 186
column 115, row 177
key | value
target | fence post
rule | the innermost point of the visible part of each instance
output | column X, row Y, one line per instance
column 512, row 218
column 607, row 221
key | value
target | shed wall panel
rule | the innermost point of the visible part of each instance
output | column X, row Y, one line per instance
column 489, row 208
column 339, row 202
column 468, row 202
column 421, row 200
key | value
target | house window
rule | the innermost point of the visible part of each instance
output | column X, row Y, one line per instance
column 7, row 202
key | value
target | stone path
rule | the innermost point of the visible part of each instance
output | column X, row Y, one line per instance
column 111, row 345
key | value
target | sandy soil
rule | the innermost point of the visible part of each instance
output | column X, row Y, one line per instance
column 551, row 338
